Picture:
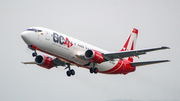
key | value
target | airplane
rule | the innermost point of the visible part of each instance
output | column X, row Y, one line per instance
column 67, row 51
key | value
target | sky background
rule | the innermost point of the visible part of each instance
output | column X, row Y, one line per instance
column 103, row 23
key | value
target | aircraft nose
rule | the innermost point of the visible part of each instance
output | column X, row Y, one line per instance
column 25, row 36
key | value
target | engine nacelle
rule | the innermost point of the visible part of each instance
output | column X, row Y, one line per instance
column 44, row 61
column 94, row 56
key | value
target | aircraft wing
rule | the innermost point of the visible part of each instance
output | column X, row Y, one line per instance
column 124, row 54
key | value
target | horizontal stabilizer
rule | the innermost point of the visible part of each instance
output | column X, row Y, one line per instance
column 134, row 64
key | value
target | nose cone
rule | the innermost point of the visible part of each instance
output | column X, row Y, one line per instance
column 26, row 37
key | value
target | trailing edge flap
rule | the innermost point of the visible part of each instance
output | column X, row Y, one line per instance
column 58, row 62
column 134, row 64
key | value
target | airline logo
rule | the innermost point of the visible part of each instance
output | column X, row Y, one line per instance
column 135, row 31
column 61, row 40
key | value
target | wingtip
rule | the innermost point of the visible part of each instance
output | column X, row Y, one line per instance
column 168, row 61
column 165, row 47
column 23, row 62
column 28, row 62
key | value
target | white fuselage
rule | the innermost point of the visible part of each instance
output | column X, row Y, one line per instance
column 64, row 47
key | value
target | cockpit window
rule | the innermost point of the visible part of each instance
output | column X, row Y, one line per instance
column 35, row 30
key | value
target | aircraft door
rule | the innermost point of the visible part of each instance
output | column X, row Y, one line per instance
column 47, row 35
column 40, row 36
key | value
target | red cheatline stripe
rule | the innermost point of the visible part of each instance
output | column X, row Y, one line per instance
column 115, row 68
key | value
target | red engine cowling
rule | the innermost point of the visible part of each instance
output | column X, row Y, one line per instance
column 44, row 61
column 94, row 56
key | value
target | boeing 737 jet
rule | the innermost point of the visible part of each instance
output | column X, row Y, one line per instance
column 67, row 51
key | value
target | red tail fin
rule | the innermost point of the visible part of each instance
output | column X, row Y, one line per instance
column 131, row 42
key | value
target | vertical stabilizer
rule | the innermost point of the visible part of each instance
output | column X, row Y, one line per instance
column 130, row 42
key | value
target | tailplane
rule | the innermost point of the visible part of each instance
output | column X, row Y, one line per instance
column 134, row 64
column 131, row 42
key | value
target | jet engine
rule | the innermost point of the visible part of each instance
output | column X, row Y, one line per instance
column 44, row 61
column 94, row 56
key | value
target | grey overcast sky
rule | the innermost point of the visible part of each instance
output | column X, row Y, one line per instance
column 103, row 23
